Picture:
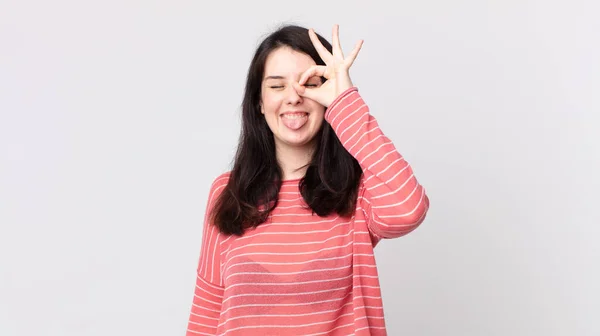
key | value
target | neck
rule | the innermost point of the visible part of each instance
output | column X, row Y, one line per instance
column 294, row 160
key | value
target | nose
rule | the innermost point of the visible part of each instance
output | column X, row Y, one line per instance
column 292, row 96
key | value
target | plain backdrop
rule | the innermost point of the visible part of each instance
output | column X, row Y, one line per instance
column 115, row 117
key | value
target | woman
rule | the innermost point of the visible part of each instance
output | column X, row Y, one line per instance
column 289, row 232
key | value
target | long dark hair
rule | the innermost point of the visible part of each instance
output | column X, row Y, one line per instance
column 333, row 175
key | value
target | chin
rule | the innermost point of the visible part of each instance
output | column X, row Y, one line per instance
column 299, row 142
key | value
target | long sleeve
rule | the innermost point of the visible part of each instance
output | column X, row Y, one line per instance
column 208, row 293
column 392, row 199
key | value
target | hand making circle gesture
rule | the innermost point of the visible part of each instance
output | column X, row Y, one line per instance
column 335, row 70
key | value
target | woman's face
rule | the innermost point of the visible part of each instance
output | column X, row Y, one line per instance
column 294, row 120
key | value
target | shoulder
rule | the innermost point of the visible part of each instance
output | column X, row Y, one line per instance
column 221, row 179
column 218, row 184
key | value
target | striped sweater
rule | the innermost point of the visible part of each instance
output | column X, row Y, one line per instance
column 301, row 274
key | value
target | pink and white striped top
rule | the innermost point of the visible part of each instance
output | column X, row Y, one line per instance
column 301, row 274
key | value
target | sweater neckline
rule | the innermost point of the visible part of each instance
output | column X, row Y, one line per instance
column 291, row 180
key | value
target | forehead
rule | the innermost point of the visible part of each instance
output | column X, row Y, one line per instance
column 286, row 62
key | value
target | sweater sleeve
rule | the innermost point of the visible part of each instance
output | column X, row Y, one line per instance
column 393, row 201
column 208, row 293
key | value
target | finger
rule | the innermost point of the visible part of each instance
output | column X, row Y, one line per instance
column 312, row 94
column 304, row 92
column 354, row 52
column 337, row 47
column 323, row 52
column 301, row 90
column 315, row 70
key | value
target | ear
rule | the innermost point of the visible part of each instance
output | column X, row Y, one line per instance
column 260, row 105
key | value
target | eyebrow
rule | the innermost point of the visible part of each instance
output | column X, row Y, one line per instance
column 282, row 77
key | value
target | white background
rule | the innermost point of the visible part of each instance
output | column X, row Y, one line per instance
column 115, row 117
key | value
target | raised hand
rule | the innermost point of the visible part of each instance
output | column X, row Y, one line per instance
column 336, row 70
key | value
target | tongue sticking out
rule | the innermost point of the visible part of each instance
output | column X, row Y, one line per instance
column 294, row 123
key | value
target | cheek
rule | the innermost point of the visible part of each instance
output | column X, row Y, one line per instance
column 270, row 103
column 318, row 108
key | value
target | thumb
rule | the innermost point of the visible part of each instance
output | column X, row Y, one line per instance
column 306, row 92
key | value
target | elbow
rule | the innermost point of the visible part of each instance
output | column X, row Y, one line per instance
column 398, row 225
column 418, row 216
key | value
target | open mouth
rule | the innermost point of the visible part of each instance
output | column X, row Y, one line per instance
column 294, row 120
